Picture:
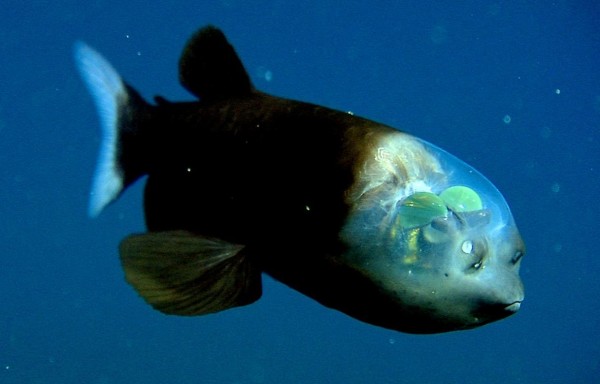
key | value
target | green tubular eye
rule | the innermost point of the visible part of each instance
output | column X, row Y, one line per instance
column 420, row 209
column 461, row 199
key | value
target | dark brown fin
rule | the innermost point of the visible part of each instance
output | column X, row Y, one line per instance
column 210, row 69
column 181, row 273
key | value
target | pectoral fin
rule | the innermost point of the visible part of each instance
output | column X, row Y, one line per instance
column 181, row 273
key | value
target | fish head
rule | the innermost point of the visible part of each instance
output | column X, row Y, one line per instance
column 434, row 236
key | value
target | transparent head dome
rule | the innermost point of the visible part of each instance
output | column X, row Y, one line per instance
column 465, row 192
column 433, row 236
column 414, row 201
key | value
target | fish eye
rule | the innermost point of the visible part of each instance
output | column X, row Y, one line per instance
column 420, row 209
column 461, row 199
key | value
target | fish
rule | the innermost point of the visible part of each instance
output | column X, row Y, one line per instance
column 362, row 217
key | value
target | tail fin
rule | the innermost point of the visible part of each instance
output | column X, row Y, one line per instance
column 120, row 109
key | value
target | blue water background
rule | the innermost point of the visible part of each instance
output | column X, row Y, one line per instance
column 452, row 74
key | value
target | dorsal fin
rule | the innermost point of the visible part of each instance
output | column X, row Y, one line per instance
column 211, row 69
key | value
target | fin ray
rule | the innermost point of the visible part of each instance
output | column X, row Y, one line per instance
column 181, row 273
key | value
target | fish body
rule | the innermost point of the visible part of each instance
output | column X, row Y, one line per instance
column 361, row 217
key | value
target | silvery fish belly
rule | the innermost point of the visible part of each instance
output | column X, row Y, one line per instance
column 363, row 218
column 437, row 233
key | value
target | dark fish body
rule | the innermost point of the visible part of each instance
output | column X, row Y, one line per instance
column 357, row 215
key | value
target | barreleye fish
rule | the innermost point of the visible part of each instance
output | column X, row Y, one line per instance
column 361, row 217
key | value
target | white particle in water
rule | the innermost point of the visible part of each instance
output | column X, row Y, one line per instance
column 264, row 73
column 557, row 247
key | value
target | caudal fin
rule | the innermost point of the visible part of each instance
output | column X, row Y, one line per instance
column 119, row 108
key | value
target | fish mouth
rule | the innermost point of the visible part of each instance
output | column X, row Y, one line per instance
column 513, row 307
column 498, row 311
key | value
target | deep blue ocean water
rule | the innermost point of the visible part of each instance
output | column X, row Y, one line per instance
column 511, row 87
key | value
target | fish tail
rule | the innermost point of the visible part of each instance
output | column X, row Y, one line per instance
column 122, row 112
